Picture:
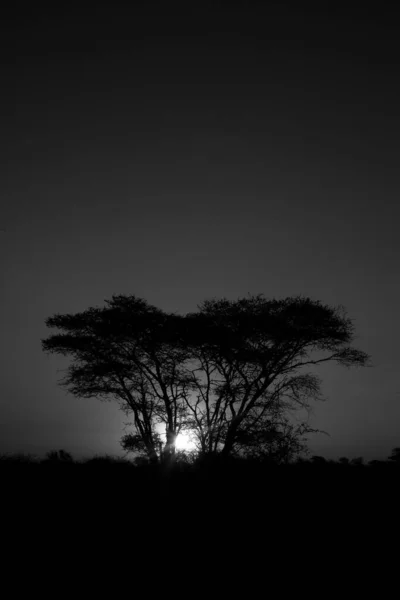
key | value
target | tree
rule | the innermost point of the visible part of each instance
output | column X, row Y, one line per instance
column 127, row 351
column 230, row 374
column 249, row 353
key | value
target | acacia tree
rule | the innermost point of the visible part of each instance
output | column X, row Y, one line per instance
column 247, row 358
column 230, row 373
column 126, row 351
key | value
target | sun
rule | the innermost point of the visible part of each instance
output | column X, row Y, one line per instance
column 185, row 442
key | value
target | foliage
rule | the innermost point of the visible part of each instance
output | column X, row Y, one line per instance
column 395, row 456
column 127, row 351
column 20, row 458
column 248, row 355
column 59, row 456
column 107, row 461
column 279, row 442
column 231, row 374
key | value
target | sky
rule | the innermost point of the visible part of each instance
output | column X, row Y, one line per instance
column 184, row 152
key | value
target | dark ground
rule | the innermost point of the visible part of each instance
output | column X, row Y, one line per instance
column 100, row 513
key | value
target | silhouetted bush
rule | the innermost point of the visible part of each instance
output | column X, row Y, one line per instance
column 17, row 459
column 102, row 484
column 319, row 460
column 395, row 456
column 60, row 456
column 107, row 462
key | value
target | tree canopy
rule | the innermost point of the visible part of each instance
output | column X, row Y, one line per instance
column 230, row 373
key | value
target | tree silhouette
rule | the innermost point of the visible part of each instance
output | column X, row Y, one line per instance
column 249, row 353
column 127, row 351
column 230, row 373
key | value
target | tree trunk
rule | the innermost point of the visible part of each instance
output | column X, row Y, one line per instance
column 169, row 448
column 230, row 438
column 228, row 446
column 153, row 456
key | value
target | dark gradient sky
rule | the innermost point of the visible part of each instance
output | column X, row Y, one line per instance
column 181, row 154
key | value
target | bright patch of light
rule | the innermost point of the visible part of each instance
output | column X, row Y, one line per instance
column 184, row 442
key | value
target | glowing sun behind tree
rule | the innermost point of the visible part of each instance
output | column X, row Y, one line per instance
column 185, row 442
